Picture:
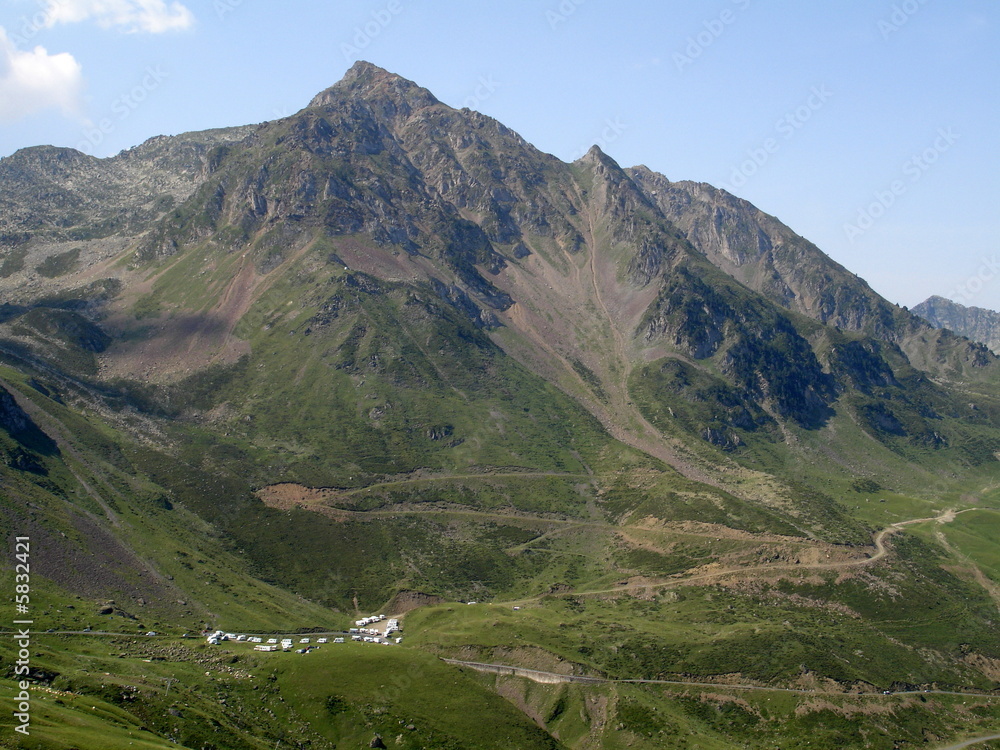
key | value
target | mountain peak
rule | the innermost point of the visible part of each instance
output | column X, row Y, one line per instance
column 976, row 323
column 367, row 81
column 595, row 155
column 937, row 299
column 364, row 72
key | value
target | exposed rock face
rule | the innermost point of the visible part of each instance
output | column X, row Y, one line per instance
column 31, row 442
column 587, row 273
column 764, row 254
column 380, row 156
column 406, row 601
column 976, row 323
column 59, row 192
column 12, row 417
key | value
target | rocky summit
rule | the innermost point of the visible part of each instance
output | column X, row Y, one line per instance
column 975, row 323
column 384, row 355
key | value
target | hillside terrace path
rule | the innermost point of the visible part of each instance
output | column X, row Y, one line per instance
column 552, row 677
column 878, row 540
column 461, row 477
column 880, row 552
column 555, row 677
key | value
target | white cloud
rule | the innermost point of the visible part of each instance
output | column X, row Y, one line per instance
column 34, row 81
column 152, row 16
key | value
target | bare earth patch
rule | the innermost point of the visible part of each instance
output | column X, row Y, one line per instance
column 287, row 496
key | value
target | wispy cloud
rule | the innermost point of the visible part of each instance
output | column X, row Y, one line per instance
column 150, row 16
column 32, row 81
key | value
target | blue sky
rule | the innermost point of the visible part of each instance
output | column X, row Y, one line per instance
column 868, row 126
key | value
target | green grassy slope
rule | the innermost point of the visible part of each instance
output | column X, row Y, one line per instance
column 379, row 356
column 109, row 693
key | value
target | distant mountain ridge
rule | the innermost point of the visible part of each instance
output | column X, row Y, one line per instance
column 976, row 323
column 61, row 192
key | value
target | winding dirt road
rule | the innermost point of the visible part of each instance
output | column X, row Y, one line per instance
column 880, row 552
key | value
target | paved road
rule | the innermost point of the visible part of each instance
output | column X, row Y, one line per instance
column 541, row 676
column 970, row 743
column 553, row 677
column 549, row 677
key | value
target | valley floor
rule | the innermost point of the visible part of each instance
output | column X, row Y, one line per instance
column 109, row 690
